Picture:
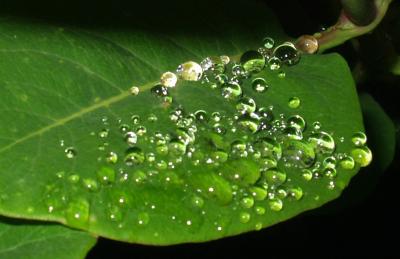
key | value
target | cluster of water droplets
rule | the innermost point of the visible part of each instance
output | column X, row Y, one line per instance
column 250, row 158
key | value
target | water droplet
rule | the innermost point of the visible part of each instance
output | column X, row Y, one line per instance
column 244, row 217
column 275, row 204
column 281, row 74
column 297, row 122
column 168, row 79
column 159, row 91
column 329, row 172
column 362, row 155
column 258, row 193
column 221, row 79
column 274, row 177
column 247, row 202
column 246, row 105
column 106, row 175
column 259, row 210
column 287, row 53
column 190, row 71
column 347, row 162
column 307, row 44
column 268, row 148
column 307, row 174
column 135, row 119
column 90, row 184
column 114, row 214
column 215, row 64
column 298, row 154
column 252, row 61
column 268, row 42
column 294, row 103
column 103, row 133
column 143, row 218
column 322, row 142
column 295, row 192
column 177, row 148
column 112, row 158
column 134, row 156
column 73, row 178
column 329, row 162
column 141, row 130
column 201, row 115
column 258, row 226
column 219, row 129
column 231, row 91
column 197, row 201
column 274, row 63
column 259, row 85
column 238, row 71
column 359, row 139
column 139, row 176
column 292, row 133
column 248, row 123
column 225, row 59
column 134, row 90
column 316, row 125
column 70, row 152
column 77, row 213
column 130, row 138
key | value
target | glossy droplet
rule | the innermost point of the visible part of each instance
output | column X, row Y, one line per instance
column 135, row 119
column 292, row 133
column 168, row 79
column 268, row 42
column 159, row 91
column 268, row 148
column 307, row 44
column 244, row 217
column 77, row 213
column 307, row 174
column 294, row 103
column 238, row 148
column 281, row 74
column 114, row 214
column 316, row 125
column 225, row 59
column 297, row 122
column 329, row 172
column 287, row 53
column 139, row 176
column 258, row 193
column 247, row 202
column 73, row 178
column 359, row 139
column 275, row 204
column 259, row 85
column 275, row 177
column 143, row 218
column 215, row 64
column 197, row 201
column 90, row 184
column 274, row 63
column 347, row 162
column 70, row 152
column 141, row 130
column 329, row 162
column 112, row 158
column 295, row 193
column 134, row 90
column 134, row 156
column 103, row 133
column 298, row 153
column 248, row 123
column 190, row 71
column 231, row 91
column 322, row 142
column 246, row 105
column 176, row 148
column 130, row 138
column 201, row 115
column 252, row 61
column 106, row 175
column 259, row 210
column 362, row 156
column 221, row 79
column 238, row 71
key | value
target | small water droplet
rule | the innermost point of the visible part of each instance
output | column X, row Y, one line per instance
column 201, row 115
column 247, row 202
column 143, row 218
column 134, row 90
column 114, row 214
column 259, row 85
column 70, row 152
column 106, row 175
column 112, row 158
column 259, row 210
column 275, row 204
column 197, row 201
column 103, row 133
column 274, row 177
column 73, row 178
column 359, row 139
column 281, row 74
column 131, row 138
column 294, row 103
column 295, row 192
column 322, row 142
column 329, row 172
column 135, row 119
column 258, row 193
column 268, row 42
column 246, row 105
column 168, row 79
column 90, row 184
column 231, row 91
column 362, row 155
column 77, row 213
column 307, row 174
column 298, row 153
column 347, row 162
column 134, row 156
column 190, row 71
column 252, row 61
column 274, row 63
column 159, row 91
column 244, row 217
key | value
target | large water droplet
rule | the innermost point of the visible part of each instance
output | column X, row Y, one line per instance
column 168, row 79
column 322, row 142
column 359, row 139
column 252, row 61
column 362, row 156
column 190, row 71
column 307, row 44
column 287, row 53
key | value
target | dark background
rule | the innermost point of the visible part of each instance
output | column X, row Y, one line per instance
column 363, row 221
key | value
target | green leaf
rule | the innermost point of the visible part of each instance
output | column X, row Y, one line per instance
column 22, row 239
column 67, row 97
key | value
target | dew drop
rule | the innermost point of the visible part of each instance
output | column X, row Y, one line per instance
column 274, row 177
column 329, row 162
column 247, row 202
column 258, row 193
column 168, row 79
column 307, row 44
column 231, row 91
column 246, row 105
column 287, row 53
column 298, row 153
column 274, row 63
column 259, row 85
column 268, row 148
column 297, row 122
column 197, row 201
column 347, row 163
column 281, row 74
column 73, row 178
column 159, row 91
column 77, row 213
column 131, row 138
column 249, row 123
column 307, row 174
column 259, row 210
column 134, row 156
column 135, row 119
column 112, row 158
column 268, row 42
column 103, row 133
column 329, row 172
column 114, row 214
column 322, row 142
column 359, row 139
column 190, row 71
column 362, row 155
column 201, row 115
column 106, row 175
column 275, row 204
column 134, row 90
column 70, row 152
column 295, row 193
column 238, row 71
column 252, row 61
column 90, row 184
column 294, row 103
column 143, row 218
column 244, row 217
column 258, row 226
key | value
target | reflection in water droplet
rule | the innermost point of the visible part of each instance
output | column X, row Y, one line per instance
column 168, row 79
column 231, row 91
column 359, row 139
column 281, row 74
column 274, row 63
column 287, row 53
column 259, row 85
column 298, row 153
column 307, row 44
column 362, row 156
column 322, row 142
column 246, row 105
column 190, row 71
column 252, row 61
column 103, row 133
column 259, row 210
column 159, row 91
column 274, row 177
column 90, row 184
column 297, row 122
column 307, row 174
column 295, row 192
column 70, row 152
column 197, row 201
column 258, row 193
